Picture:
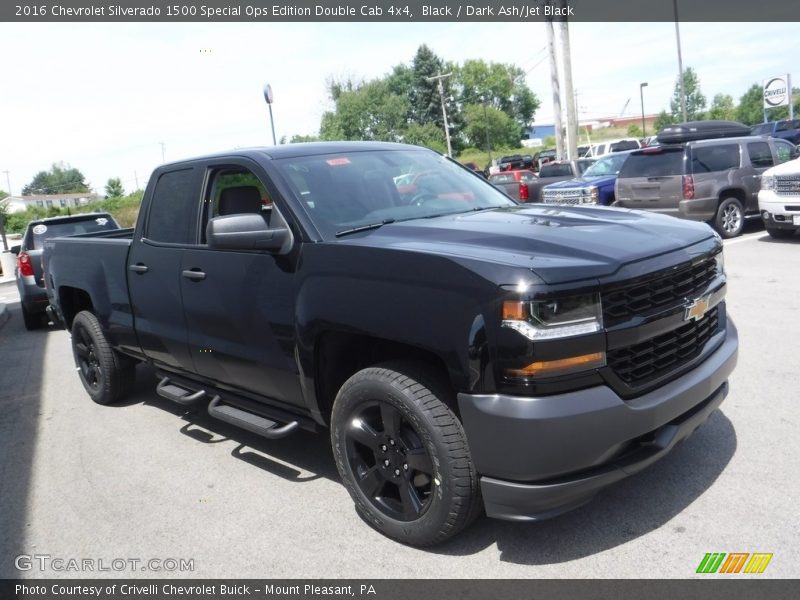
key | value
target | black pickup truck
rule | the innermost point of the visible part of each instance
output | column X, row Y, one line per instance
column 464, row 351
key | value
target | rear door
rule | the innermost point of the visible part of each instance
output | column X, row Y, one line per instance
column 761, row 158
column 154, row 266
column 652, row 179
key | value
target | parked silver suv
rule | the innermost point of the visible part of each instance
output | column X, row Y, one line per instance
column 706, row 180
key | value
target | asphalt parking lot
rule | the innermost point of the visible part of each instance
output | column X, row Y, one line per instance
column 146, row 480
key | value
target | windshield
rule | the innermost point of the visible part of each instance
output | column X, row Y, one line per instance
column 608, row 165
column 44, row 231
column 349, row 190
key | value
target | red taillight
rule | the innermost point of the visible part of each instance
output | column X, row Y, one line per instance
column 688, row 187
column 523, row 191
column 24, row 265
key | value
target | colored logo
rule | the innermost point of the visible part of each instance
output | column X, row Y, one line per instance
column 735, row 562
column 697, row 309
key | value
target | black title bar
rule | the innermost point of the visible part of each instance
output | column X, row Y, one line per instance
column 400, row 11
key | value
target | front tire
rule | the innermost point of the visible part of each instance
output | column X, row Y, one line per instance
column 729, row 220
column 402, row 454
column 105, row 375
column 32, row 320
column 780, row 234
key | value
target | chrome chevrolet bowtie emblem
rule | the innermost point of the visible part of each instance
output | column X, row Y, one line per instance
column 696, row 309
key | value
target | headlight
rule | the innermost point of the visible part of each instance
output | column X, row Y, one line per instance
column 768, row 182
column 720, row 260
column 590, row 195
column 558, row 318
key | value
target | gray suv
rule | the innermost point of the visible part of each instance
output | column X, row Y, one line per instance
column 706, row 180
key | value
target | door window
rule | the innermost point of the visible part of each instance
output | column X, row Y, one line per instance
column 784, row 151
column 760, row 154
column 173, row 209
column 708, row 159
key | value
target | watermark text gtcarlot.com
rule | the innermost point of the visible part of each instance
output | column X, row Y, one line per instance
column 47, row 562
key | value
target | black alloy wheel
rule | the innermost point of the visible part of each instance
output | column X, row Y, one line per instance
column 390, row 463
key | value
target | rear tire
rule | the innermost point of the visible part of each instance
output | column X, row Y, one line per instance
column 780, row 234
column 105, row 375
column 729, row 220
column 402, row 454
column 32, row 320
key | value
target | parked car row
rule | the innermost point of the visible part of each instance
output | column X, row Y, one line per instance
column 703, row 171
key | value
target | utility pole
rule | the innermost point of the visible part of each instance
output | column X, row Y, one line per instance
column 572, row 120
column 136, row 179
column 438, row 78
column 641, row 97
column 163, row 152
column 680, row 62
column 8, row 181
column 551, row 47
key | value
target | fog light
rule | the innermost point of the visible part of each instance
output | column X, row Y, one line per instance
column 765, row 215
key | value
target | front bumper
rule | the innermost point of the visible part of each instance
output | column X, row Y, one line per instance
column 539, row 457
column 778, row 212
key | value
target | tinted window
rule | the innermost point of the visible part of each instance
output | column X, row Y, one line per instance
column 583, row 165
column 784, row 150
column 173, row 211
column 608, row 165
column 502, row 178
column 763, row 129
column 40, row 232
column 653, row 164
column 760, row 155
column 707, row 159
column 551, row 170
column 623, row 145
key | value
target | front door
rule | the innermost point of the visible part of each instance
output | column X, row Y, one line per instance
column 239, row 305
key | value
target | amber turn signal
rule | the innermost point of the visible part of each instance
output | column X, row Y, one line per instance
column 562, row 366
column 514, row 310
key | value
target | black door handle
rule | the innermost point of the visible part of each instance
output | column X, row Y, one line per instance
column 194, row 274
column 138, row 268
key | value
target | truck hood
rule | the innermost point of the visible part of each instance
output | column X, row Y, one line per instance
column 580, row 182
column 791, row 167
column 558, row 243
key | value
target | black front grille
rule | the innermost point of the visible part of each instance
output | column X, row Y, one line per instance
column 659, row 292
column 638, row 364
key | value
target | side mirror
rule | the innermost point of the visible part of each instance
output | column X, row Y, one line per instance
column 15, row 249
column 246, row 232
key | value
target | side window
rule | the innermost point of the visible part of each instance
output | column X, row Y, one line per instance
column 708, row 159
column 234, row 191
column 784, row 151
column 760, row 155
column 173, row 210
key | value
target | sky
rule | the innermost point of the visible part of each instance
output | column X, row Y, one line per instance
column 103, row 97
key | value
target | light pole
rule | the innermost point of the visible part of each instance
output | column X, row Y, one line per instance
column 268, row 98
column 680, row 62
column 641, row 97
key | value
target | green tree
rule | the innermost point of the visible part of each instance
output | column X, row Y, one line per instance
column 423, row 95
column 503, row 130
column 695, row 100
column 663, row 119
column 751, row 106
column 60, row 179
column 634, row 131
column 369, row 111
column 500, row 86
column 114, row 188
column 722, row 108
column 428, row 135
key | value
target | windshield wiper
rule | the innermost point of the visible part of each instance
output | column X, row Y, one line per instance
column 363, row 227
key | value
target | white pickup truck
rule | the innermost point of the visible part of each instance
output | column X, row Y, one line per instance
column 779, row 199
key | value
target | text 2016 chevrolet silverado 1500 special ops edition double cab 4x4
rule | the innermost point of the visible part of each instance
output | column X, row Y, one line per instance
column 465, row 351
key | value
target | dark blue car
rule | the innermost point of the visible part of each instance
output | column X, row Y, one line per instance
column 595, row 186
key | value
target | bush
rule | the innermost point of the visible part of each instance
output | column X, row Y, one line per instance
column 124, row 210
